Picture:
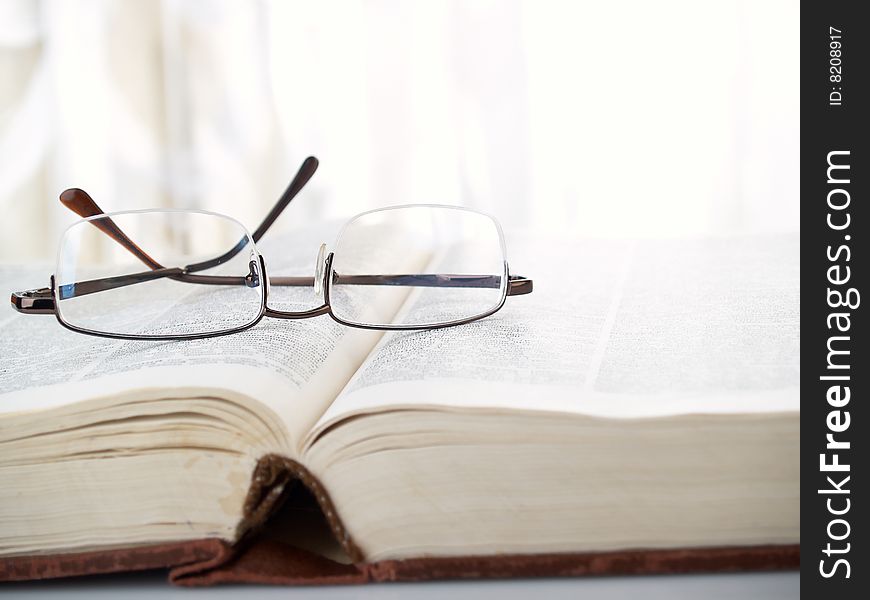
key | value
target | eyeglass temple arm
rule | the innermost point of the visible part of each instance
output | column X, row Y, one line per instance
column 41, row 301
column 517, row 284
column 78, row 201
column 303, row 176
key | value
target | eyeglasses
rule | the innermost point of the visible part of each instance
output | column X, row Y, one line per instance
column 196, row 274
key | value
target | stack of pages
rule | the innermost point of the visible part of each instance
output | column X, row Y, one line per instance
column 639, row 412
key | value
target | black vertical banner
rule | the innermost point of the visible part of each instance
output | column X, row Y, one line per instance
column 835, row 365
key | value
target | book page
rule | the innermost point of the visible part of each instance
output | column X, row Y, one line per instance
column 294, row 367
column 615, row 329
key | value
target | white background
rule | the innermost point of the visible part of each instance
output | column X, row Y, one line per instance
column 608, row 118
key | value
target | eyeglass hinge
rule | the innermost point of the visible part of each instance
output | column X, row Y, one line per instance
column 34, row 302
column 519, row 285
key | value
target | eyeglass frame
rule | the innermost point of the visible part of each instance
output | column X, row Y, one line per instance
column 45, row 300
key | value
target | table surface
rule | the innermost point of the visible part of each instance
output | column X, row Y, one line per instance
column 153, row 586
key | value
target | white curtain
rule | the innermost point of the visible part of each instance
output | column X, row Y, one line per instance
column 620, row 118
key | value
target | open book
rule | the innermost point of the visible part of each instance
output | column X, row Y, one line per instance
column 638, row 412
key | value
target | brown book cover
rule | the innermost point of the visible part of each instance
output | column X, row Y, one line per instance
column 258, row 558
